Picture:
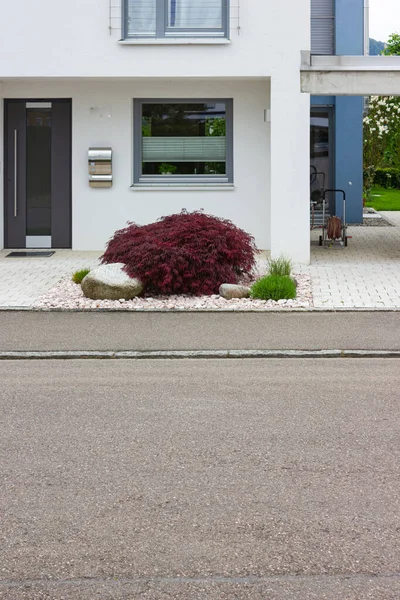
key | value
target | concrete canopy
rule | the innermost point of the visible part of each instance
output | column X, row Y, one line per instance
column 350, row 75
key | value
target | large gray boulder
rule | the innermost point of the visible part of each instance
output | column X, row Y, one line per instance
column 230, row 291
column 110, row 282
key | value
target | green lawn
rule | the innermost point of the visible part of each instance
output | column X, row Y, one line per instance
column 384, row 199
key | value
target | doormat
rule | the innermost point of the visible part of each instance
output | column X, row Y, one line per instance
column 29, row 254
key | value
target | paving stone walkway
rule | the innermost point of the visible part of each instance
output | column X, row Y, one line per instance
column 23, row 280
column 365, row 275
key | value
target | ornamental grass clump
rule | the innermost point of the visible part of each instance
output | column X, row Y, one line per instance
column 280, row 266
column 274, row 287
column 78, row 276
column 185, row 253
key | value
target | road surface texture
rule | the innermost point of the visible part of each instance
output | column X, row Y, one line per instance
column 198, row 480
column 198, row 331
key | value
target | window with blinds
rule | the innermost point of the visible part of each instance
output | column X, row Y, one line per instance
column 322, row 27
column 177, row 18
column 180, row 142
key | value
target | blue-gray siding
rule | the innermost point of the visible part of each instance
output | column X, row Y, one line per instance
column 348, row 128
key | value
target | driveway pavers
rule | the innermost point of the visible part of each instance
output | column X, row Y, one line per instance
column 23, row 280
column 365, row 275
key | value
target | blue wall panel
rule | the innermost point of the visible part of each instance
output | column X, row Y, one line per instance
column 349, row 19
column 348, row 129
column 322, row 100
column 349, row 154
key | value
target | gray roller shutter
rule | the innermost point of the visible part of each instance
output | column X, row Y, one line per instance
column 322, row 27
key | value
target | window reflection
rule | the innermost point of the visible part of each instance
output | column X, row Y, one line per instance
column 319, row 154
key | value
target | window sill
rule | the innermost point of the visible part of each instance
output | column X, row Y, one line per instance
column 169, row 41
column 185, row 187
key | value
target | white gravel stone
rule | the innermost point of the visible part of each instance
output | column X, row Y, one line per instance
column 69, row 296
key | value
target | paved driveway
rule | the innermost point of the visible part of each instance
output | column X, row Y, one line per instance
column 23, row 280
column 366, row 274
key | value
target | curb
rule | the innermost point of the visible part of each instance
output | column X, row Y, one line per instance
column 197, row 354
column 303, row 309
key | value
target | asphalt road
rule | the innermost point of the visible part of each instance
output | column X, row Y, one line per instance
column 43, row 331
column 251, row 479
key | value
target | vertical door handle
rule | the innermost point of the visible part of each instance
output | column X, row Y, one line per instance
column 15, row 173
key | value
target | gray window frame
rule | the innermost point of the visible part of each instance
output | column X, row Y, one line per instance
column 140, row 179
column 162, row 30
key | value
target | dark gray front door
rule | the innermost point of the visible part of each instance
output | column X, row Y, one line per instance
column 38, row 173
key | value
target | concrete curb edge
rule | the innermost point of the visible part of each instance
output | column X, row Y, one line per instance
column 196, row 354
column 303, row 309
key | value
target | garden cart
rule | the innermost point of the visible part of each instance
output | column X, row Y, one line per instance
column 333, row 228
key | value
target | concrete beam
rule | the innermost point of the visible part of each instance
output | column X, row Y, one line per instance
column 351, row 83
column 350, row 75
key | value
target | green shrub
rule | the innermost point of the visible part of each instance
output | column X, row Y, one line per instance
column 167, row 169
column 79, row 275
column 281, row 266
column 387, row 178
column 274, row 287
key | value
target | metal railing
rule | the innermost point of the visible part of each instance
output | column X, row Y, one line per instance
column 116, row 8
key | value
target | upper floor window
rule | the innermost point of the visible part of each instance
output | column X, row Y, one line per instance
column 175, row 18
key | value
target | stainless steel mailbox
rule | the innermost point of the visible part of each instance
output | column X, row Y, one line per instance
column 100, row 167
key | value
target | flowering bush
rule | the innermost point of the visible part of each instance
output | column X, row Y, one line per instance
column 382, row 128
column 381, row 137
column 382, row 132
column 186, row 253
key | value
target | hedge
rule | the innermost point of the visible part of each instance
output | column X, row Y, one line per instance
column 387, row 178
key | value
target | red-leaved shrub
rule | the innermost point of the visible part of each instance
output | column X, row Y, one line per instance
column 186, row 253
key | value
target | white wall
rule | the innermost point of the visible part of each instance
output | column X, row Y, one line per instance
column 59, row 40
column 290, row 138
column 290, row 170
column 54, row 38
column 97, row 213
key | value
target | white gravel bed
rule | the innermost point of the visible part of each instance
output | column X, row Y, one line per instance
column 67, row 295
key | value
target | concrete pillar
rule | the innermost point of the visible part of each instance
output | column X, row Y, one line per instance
column 290, row 167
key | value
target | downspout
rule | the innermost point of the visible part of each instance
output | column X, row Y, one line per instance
column 366, row 53
column 366, row 27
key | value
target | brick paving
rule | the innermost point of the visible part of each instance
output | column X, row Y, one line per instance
column 365, row 275
column 23, row 280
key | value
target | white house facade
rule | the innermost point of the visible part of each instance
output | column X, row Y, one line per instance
column 128, row 110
